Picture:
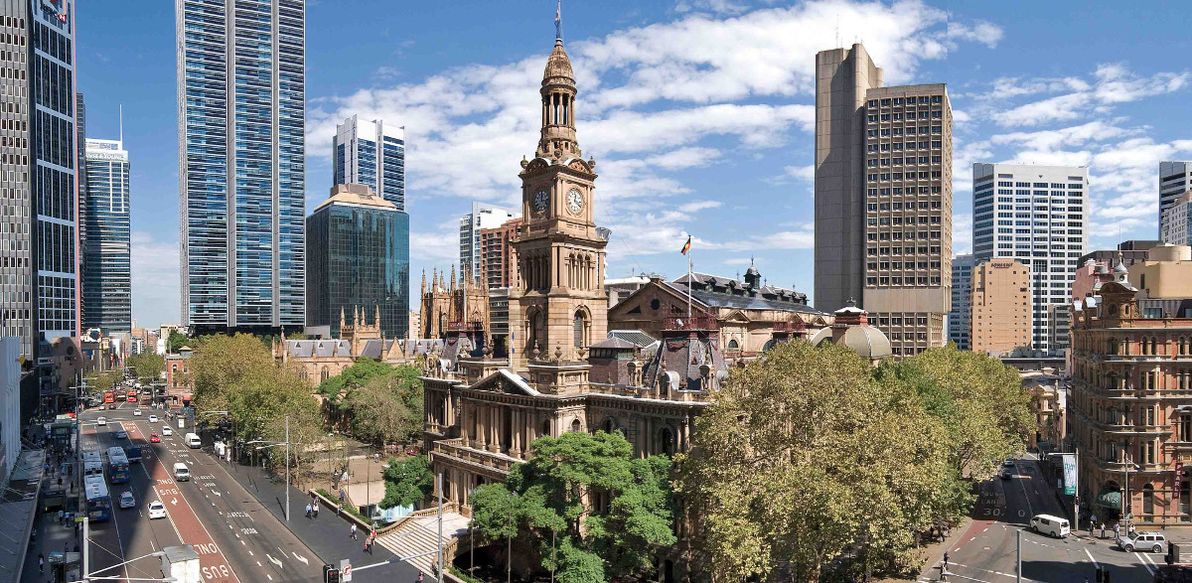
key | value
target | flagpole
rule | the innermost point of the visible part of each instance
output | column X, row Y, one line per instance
column 688, row 286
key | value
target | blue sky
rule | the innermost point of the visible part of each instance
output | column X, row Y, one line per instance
column 698, row 112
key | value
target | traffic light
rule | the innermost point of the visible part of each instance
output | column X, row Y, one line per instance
column 330, row 573
column 1173, row 553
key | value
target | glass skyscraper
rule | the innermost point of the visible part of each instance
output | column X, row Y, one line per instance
column 358, row 258
column 241, row 88
column 373, row 154
column 39, row 294
column 107, row 281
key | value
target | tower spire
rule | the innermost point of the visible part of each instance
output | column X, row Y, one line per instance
column 559, row 20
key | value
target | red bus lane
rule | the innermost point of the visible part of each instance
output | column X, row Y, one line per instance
column 214, row 564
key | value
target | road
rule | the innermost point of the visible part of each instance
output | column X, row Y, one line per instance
column 986, row 552
column 236, row 538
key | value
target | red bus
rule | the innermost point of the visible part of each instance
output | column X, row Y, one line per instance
column 109, row 396
column 132, row 395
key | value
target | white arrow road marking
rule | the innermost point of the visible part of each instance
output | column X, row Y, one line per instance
column 273, row 560
column 216, row 492
column 174, row 501
column 300, row 558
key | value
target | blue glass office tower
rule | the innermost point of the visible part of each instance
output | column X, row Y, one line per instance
column 358, row 258
column 373, row 154
column 241, row 88
column 107, row 280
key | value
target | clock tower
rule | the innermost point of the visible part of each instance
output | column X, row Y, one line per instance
column 558, row 307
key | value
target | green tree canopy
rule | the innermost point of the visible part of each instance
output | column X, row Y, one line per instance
column 407, row 481
column 556, row 493
column 377, row 402
column 805, row 467
column 176, row 341
column 149, row 365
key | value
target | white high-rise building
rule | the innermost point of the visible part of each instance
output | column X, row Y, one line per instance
column 960, row 318
column 1175, row 178
column 482, row 217
column 1038, row 216
column 1173, row 222
column 371, row 153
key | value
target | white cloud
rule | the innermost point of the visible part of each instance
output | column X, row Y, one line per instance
column 156, row 280
column 962, row 233
column 1111, row 84
column 801, row 172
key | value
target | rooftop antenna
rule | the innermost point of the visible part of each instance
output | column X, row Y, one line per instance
column 838, row 44
column 121, row 106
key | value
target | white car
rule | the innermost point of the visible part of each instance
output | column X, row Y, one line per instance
column 157, row 510
column 165, row 430
column 127, row 501
column 101, row 421
column 136, row 413
column 153, row 418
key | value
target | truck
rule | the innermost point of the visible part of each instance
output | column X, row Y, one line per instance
column 133, row 453
column 181, row 563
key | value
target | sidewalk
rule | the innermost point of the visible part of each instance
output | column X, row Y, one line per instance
column 327, row 535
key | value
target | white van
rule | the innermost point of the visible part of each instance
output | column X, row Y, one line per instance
column 1050, row 525
column 181, row 472
column 193, row 441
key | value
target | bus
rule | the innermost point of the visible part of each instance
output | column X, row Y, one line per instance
column 132, row 396
column 99, row 502
column 117, row 465
column 92, row 464
column 109, row 396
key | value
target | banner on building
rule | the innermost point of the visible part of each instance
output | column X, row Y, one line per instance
column 1069, row 474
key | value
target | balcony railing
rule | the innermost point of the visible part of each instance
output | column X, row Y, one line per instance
column 455, row 448
column 790, row 327
column 693, row 323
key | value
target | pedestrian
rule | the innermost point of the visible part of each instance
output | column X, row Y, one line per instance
column 352, row 533
column 41, row 563
column 945, row 560
column 420, row 578
column 315, row 509
column 308, row 510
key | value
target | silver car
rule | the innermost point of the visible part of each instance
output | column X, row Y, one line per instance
column 1154, row 542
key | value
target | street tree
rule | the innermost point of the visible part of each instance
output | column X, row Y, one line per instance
column 804, row 467
column 149, row 365
column 175, row 341
column 589, row 509
column 407, row 481
column 980, row 401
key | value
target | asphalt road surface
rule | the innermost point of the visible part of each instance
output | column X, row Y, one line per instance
column 236, row 538
column 987, row 551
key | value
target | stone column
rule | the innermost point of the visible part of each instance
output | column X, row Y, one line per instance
column 494, row 443
column 481, row 425
column 516, row 432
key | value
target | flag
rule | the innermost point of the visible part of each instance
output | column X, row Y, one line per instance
column 686, row 246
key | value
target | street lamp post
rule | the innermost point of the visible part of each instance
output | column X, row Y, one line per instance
column 286, row 443
column 1127, row 510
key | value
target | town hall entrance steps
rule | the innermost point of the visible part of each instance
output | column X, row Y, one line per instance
column 418, row 535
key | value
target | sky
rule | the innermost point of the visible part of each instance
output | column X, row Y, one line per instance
column 699, row 113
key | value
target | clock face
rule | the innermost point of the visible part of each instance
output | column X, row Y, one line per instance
column 541, row 201
column 575, row 201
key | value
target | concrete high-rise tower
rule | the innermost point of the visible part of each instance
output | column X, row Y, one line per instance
column 241, row 102
column 883, row 199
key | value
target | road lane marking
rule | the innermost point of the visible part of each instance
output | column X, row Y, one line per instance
column 1144, row 563
column 300, row 558
column 1090, row 556
column 273, row 560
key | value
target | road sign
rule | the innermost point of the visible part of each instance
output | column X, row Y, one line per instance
column 345, row 570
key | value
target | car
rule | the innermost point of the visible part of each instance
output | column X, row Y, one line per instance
column 136, row 413
column 153, row 418
column 122, row 434
column 154, row 438
column 127, row 500
column 1154, row 542
column 157, row 510
column 101, row 421
column 1050, row 525
column 166, row 431
column 101, row 407
column 1008, row 464
column 1006, row 474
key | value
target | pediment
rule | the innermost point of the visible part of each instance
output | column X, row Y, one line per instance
column 736, row 317
column 505, row 381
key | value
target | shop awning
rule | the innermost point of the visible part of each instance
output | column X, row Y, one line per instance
column 1111, row 499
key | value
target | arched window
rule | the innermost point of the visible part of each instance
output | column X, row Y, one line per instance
column 324, row 374
column 546, row 427
column 666, row 440
column 580, row 328
column 733, row 344
column 610, row 425
column 576, row 426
